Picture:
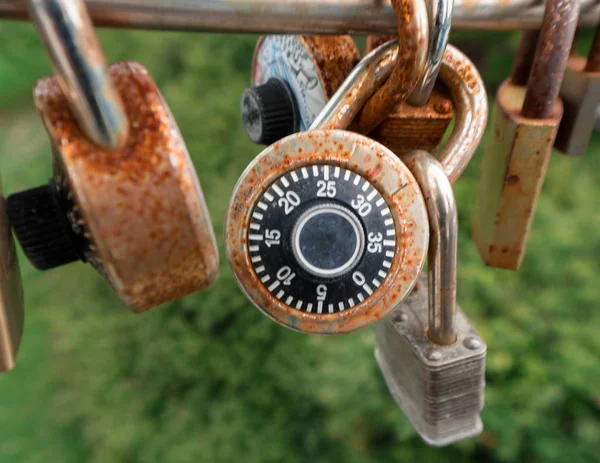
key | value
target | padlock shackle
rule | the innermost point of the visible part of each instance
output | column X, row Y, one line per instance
column 467, row 91
column 440, row 22
column 550, row 59
column 443, row 244
column 458, row 74
column 68, row 35
column 413, row 41
column 364, row 80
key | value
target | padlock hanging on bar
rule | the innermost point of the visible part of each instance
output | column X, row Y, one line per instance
column 431, row 357
column 135, row 211
column 526, row 120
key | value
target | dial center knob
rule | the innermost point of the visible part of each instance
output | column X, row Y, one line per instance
column 328, row 240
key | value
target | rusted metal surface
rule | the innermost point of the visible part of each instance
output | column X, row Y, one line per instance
column 368, row 75
column 142, row 208
column 457, row 73
column 413, row 41
column 550, row 60
column 513, row 170
column 300, row 16
column 580, row 92
column 68, row 35
column 11, row 294
column 334, row 58
column 416, row 127
column 373, row 41
column 467, row 91
column 389, row 176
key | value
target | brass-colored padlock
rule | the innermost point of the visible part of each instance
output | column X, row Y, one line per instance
column 525, row 123
column 293, row 77
column 422, row 120
column 580, row 92
column 124, row 196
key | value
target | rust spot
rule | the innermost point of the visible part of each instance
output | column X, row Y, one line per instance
column 511, row 180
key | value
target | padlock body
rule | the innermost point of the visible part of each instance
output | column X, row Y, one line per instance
column 580, row 92
column 513, row 169
column 11, row 294
column 140, row 208
column 313, row 67
column 411, row 127
column 439, row 388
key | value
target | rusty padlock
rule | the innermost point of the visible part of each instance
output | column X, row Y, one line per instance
column 327, row 230
column 422, row 120
column 293, row 77
column 315, row 236
column 124, row 195
column 526, row 120
column 11, row 294
column 580, row 92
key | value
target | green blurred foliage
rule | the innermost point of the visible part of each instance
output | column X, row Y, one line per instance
column 208, row 378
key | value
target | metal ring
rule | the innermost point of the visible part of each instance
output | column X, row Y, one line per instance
column 440, row 22
column 458, row 74
column 68, row 35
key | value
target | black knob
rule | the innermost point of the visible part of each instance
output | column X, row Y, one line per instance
column 269, row 112
column 42, row 228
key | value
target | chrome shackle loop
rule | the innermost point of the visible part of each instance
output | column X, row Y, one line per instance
column 68, row 35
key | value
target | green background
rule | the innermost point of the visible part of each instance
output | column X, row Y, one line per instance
column 209, row 379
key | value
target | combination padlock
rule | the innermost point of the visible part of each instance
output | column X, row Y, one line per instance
column 580, row 92
column 124, row 195
column 526, row 119
column 11, row 294
column 327, row 230
column 293, row 77
column 422, row 120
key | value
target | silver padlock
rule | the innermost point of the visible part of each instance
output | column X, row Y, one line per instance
column 432, row 359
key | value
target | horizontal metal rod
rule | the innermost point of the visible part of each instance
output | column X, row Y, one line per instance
column 300, row 16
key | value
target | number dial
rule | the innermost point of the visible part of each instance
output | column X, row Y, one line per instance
column 350, row 202
column 358, row 154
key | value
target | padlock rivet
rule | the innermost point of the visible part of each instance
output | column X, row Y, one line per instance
column 400, row 317
column 434, row 355
column 472, row 343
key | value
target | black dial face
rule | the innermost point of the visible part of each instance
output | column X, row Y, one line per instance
column 321, row 239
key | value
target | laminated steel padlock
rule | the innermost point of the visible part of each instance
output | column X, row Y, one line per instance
column 293, row 77
column 432, row 359
column 125, row 200
column 580, row 92
column 422, row 120
column 526, row 120
column 11, row 294
column 327, row 231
